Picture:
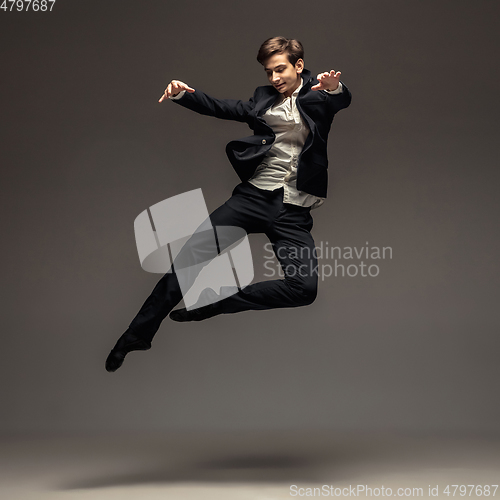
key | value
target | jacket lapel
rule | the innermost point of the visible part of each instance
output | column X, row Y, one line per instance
column 264, row 104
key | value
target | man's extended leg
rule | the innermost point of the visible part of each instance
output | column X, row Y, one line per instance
column 200, row 248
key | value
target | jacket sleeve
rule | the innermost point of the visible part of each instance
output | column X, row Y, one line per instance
column 226, row 109
column 340, row 101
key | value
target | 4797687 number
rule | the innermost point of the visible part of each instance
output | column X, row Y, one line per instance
column 26, row 5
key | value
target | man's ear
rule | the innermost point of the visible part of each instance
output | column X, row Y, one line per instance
column 299, row 66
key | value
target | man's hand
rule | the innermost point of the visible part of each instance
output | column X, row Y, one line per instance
column 327, row 81
column 174, row 87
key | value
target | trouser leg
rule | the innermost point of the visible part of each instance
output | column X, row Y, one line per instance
column 197, row 252
column 294, row 248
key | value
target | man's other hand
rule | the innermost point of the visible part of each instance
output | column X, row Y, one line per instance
column 173, row 88
column 327, row 81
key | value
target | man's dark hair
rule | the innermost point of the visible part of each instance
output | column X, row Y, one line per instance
column 280, row 45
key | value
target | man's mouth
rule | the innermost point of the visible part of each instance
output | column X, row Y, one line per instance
column 280, row 85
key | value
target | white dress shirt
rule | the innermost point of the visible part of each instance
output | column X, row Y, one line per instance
column 279, row 166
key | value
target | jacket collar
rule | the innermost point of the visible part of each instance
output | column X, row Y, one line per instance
column 306, row 76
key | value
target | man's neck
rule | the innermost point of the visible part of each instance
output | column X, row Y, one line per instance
column 295, row 87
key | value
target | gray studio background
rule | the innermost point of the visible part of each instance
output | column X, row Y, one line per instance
column 86, row 147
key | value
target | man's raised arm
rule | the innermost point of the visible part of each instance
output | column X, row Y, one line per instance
column 196, row 100
column 174, row 88
column 329, row 81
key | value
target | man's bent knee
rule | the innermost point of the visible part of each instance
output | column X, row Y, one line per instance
column 310, row 293
column 306, row 293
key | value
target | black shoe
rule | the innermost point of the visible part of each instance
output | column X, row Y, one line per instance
column 126, row 343
column 200, row 313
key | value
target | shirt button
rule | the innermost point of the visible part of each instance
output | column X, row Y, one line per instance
column 263, row 141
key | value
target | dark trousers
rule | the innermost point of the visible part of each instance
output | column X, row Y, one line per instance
column 256, row 211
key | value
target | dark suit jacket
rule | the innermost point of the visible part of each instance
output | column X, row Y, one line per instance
column 316, row 107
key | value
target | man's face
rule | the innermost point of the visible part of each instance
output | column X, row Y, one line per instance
column 282, row 74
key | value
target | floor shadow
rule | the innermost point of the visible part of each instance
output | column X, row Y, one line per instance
column 231, row 469
column 263, row 462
